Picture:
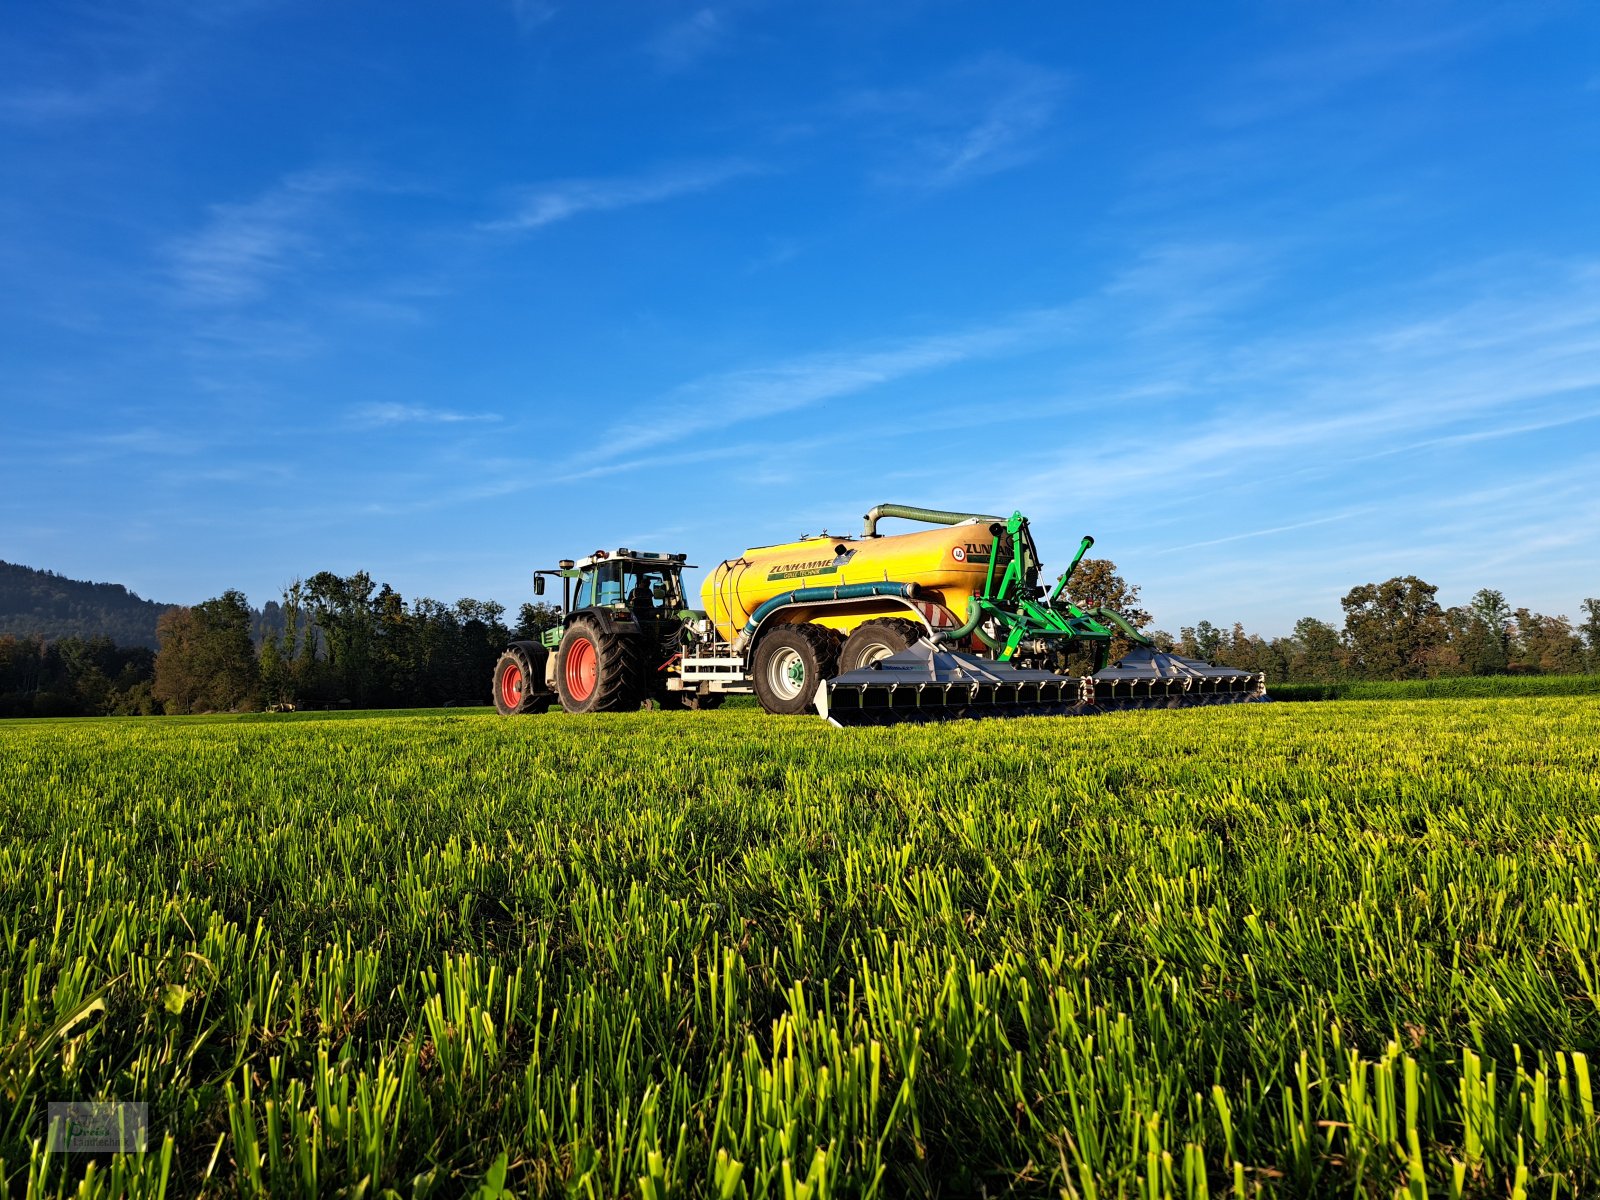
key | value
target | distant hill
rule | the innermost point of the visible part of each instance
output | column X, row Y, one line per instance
column 45, row 604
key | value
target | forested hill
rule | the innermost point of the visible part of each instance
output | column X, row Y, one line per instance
column 44, row 604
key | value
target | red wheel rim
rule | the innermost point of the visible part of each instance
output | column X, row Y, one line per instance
column 580, row 668
column 511, row 686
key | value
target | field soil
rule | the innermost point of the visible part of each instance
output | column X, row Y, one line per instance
column 1280, row 950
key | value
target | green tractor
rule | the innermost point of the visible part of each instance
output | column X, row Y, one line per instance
column 622, row 624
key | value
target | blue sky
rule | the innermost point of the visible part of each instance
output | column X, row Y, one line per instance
column 1274, row 299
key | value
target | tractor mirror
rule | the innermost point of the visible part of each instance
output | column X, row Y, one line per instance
column 659, row 591
column 538, row 585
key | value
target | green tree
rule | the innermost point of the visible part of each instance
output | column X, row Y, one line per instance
column 1547, row 645
column 207, row 662
column 1200, row 641
column 533, row 619
column 342, row 609
column 1318, row 652
column 1481, row 633
column 1395, row 629
column 1096, row 584
column 1590, row 629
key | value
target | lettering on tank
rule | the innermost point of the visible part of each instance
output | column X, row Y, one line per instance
column 815, row 566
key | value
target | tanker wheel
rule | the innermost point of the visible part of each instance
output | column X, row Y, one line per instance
column 598, row 670
column 516, row 686
column 872, row 640
column 790, row 664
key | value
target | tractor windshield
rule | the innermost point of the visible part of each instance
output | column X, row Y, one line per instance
column 647, row 591
column 600, row 584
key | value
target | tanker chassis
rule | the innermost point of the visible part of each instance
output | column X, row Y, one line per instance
column 942, row 622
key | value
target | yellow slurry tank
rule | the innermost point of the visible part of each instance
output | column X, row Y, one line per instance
column 947, row 564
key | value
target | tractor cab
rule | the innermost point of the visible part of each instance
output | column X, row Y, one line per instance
column 627, row 583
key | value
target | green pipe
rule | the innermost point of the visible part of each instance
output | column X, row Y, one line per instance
column 974, row 618
column 848, row 591
column 1110, row 617
column 932, row 516
column 1083, row 548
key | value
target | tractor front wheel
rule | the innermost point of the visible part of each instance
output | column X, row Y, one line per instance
column 598, row 670
column 790, row 664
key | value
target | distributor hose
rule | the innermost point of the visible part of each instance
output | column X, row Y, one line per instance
column 933, row 516
column 1118, row 621
column 966, row 630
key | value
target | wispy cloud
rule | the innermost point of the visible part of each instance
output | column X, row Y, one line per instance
column 757, row 393
column 1340, row 59
column 532, row 14
column 682, row 43
column 1323, row 398
column 374, row 416
column 113, row 95
column 987, row 116
column 1268, row 532
column 243, row 247
column 546, row 204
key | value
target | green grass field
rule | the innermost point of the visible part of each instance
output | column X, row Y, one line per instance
column 1468, row 687
column 1305, row 950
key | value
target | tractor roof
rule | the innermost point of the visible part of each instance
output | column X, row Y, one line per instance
column 667, row 562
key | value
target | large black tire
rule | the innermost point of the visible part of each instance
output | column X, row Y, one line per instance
column 872, row 640
column 599, row 669
column 519, row 681
column 790, row 664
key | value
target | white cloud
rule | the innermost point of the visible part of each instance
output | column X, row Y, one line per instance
column 531, row 14
column 234, row 258
column 114, row 95
column 985, row 117
column 373, row 416
column 736, row 397
column 549, row 203
column 684, row 42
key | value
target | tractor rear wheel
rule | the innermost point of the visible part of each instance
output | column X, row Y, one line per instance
column 598, row 669
column 519, row 684
column 790, row 664
column 872, row 640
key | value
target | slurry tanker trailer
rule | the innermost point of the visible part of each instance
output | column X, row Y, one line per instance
column 943, row 622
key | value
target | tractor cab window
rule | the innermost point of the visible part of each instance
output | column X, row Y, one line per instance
column 601, row 584
column 649, row 592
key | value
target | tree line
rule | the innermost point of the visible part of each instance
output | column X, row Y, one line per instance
column 339, row 641
column 346, row 641
column 1396, row 629
column 332, row 642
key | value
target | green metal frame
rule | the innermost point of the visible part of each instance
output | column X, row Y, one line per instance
column 1019, row 614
